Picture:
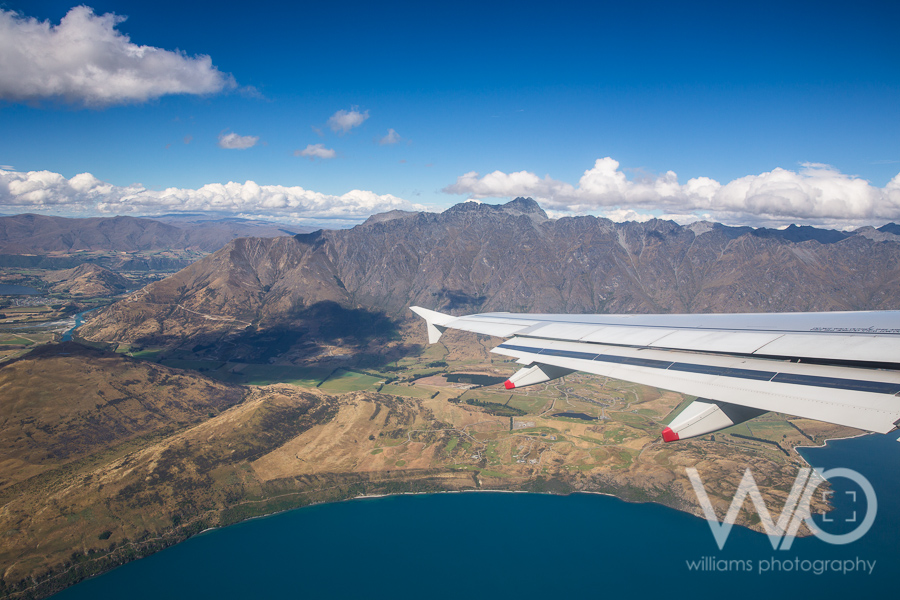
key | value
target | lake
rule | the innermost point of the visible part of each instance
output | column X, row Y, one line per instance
column 482, row 545
column 7, row 289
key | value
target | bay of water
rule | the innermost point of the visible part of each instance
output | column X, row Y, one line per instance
column 7, row 289
column 514, row 545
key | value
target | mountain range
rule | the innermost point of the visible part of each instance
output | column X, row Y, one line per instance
column 476, row 257
column 42, row 234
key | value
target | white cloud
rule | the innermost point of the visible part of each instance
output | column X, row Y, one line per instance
column 392, row 137
column 815, row 193
column 233, row 141
column 85, row 61
column 345, row 120
column 84, row 194
column 45, row 189
column 314, row 151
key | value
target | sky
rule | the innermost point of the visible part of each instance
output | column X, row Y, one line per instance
column 762, row 113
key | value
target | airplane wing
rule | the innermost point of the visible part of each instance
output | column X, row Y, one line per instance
column 839, row 367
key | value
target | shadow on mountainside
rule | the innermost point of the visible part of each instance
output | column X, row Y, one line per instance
column 372, row 337
column 453, row 299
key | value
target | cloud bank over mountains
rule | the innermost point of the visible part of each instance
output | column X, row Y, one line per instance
column 85, row 61
column 816, row 193
column 85, row 195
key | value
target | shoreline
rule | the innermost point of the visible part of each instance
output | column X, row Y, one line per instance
column 398, row 494
column 453, row 491
column 825, row 443
column 375, row 496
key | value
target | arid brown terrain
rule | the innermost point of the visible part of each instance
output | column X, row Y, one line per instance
column 86, row 280
column 108, row 458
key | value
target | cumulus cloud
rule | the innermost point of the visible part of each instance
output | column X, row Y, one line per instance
column 85, row 61
column 233, row 141
column 344, row 120
column 392, row 137
column 45, row 191
column 314, row 151
column 815, row 193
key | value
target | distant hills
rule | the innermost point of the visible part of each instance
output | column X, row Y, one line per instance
column 477, row 257
column 42, row 234
column 804, row 233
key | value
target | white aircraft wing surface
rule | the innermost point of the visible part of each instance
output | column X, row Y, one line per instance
column 839, row 367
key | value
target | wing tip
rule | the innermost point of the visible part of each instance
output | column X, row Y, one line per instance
column 434, row 322
column 431, row 316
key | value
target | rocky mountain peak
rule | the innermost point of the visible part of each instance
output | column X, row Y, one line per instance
column 389, row 216
column 526, row 206
column 700, row 227
column 517, row 207
column 878, row 235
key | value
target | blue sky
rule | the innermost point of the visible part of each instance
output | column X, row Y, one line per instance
column 763, row 98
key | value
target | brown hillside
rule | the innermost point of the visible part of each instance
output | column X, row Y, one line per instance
column 63, row 402
column 88, row 280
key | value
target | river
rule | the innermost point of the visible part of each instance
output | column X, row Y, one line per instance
column 79, row 321
column 507, row 545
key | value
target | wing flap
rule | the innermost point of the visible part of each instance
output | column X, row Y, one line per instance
column 862, row 348
column 729, row 342
column 629, row 336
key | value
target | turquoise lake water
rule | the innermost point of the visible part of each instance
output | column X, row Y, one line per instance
column 481, row 545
